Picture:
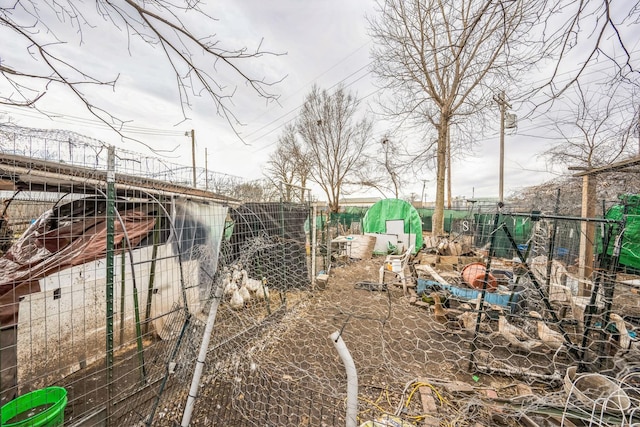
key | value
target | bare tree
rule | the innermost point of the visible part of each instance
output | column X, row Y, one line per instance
column 223, row 183
column 334, row 138
column 304, row 162
column 289, row 165
column 386, row 169
column 595, row 126
column 255, row 191
column 198, row 60
column 587, row 33
column 439, row 59
column 543, row 196
column 281, row 167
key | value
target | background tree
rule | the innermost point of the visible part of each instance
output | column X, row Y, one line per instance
column 586, row 34
column 288, row 166
column 595, row 125
column 385, row 170
column 439, row 59
column 543, row 196
column 44, row 29
column 255, row 191
column 223, row 183
column 334, row 139
column 281, row 166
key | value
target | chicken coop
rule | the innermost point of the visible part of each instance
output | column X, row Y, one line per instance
column 111, row 261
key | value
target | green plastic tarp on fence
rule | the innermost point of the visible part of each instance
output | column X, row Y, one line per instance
column 375, row 220
column 630, row 250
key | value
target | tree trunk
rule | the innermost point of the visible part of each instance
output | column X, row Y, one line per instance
column 448, row 170
column 437, row 221
column 303, row 184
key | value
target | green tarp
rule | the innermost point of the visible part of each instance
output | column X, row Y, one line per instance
column 628, row 207
column 375, row 220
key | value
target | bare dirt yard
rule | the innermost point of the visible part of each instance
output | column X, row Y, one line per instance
column 285, row 371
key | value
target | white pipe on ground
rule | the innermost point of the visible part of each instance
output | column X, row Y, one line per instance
column 204, row 347
column 352, row 380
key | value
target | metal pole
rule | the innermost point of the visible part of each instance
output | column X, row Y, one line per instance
column 111, row 214
column 503, row 107
column 202, row 356
column 492, row 239
column 552, row 243
column 501, row 185
column 314, row 242
column 193, row 155
column 449, row 171
column 206, row 169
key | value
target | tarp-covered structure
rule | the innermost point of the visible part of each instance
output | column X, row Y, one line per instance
column 377, row 217
column 64, row 250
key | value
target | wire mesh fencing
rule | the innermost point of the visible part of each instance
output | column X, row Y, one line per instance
column 531, row 341
column 113, row 280
column 106, row 273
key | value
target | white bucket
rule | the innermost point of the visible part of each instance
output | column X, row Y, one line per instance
column 396, row 265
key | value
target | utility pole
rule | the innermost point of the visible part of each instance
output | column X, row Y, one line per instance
column 503, row 104
column 193, row 155
column 206, row 169
column 638, row 131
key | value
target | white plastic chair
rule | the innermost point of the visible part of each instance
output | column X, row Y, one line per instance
column 399, row 276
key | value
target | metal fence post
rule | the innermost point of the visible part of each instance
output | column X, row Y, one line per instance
column 111, row 214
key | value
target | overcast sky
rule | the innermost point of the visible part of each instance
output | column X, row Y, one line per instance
column 322, row 42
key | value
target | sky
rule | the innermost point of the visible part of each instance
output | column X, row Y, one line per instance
column 317, row 42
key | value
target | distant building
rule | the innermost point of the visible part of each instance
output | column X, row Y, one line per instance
column 363, row 202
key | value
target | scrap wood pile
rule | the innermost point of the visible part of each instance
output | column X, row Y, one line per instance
column 537, row 334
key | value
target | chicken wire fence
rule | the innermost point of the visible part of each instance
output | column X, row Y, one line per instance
column 539, row 341
column 181, row 259
column 102, row 286
column 284, row 370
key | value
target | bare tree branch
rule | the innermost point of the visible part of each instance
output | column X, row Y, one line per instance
column 334, row 139
column 595, row 128
column 199, row 63
column 440, row 59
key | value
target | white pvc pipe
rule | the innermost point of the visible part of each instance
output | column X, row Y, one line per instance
column 352, row 380
column 204, row 347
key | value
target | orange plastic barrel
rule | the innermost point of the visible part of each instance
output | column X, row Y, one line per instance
column 473, row 275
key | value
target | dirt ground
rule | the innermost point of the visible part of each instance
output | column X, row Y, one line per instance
column 276, row 365
column 287, row 371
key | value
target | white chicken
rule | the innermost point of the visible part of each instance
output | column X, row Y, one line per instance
column 516, row 336
column 244, row 292
column 236, row 273
column 251, row 284
column 229, row 287
column 547, row 335
column 625, row 339
column 263, row 290
column 237, row 302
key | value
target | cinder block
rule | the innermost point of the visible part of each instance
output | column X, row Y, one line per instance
column 321, row 281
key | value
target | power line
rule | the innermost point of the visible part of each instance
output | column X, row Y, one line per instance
column 300, row 106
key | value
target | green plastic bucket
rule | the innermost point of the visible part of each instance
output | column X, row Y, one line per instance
column 39, row 408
